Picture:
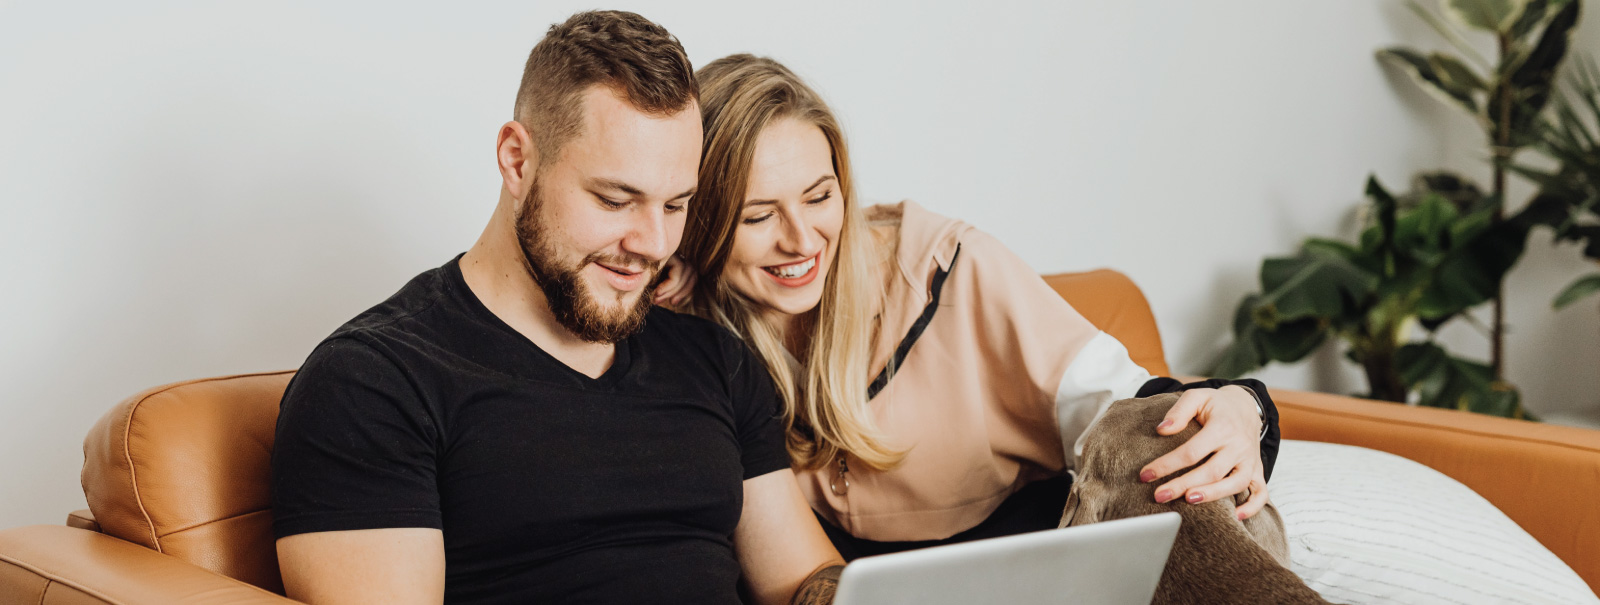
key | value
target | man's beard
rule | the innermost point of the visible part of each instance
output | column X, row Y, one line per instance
column 569, row 297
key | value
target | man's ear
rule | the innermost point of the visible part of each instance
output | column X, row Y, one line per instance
column 516, row 156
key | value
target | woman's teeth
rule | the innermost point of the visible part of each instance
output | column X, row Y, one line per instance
column 793, row 271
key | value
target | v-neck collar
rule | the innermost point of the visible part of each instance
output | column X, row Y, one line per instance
column 622, row 353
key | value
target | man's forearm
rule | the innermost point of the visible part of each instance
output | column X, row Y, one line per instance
column 819, row 588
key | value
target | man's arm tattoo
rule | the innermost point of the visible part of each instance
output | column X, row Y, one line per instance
column 819, row 588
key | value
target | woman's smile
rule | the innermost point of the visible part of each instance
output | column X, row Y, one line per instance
column 794, row 275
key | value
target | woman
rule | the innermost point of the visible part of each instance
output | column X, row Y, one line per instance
column 935, row 386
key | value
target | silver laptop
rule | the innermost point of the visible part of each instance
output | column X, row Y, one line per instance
column 1110, row 562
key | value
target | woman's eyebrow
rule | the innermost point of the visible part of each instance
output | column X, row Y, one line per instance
column 825, row 178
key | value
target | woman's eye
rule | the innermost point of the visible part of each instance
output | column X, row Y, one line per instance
column 820, row 199
column 674, row 208
column 757, row 218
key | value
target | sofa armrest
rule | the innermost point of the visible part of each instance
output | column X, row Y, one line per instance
column 53, row 563
column 83, row 519
column 1545, row 477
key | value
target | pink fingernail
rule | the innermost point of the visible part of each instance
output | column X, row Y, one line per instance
column 1195, row 498
column 1164, row 424
column 1147, row 476
column 1163, row 496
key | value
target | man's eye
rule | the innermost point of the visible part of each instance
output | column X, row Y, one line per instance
column 612, row 204
column 758, row 218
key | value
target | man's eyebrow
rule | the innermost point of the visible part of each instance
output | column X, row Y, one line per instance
column 615, row 185
column 825, row 178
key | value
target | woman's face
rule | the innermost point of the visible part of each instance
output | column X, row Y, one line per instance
column 788, row 230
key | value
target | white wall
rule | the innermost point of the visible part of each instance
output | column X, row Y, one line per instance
column 190, row 190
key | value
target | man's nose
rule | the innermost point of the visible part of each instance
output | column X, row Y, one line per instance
column 647, row 237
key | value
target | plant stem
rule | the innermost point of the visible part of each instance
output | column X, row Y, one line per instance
column 1376, row 352
column 1502, row 153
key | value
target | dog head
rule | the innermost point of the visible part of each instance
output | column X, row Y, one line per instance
column 1121, row 443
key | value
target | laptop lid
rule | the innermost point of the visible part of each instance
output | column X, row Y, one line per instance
column 1109, row 562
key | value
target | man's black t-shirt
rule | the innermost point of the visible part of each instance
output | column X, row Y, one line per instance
column 549, row 486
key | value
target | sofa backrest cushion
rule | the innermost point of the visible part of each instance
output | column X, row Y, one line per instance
column 1112, row 302
column 184, row 469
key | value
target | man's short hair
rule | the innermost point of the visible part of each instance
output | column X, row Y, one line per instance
column 635, row 57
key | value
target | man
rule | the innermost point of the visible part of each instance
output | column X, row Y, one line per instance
column 520, row 425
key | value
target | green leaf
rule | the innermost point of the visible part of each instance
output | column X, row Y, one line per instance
column 1292, row 341
column 1445, row 381
column 1244, row 354
column 1532, row 74
column 1423, row 229
column 1314, row 283
column 1455, row 74
column 1471, row 272
column 1422, row 69
column 1381, row 239
column 1254, row 345
column 1532, row 15
column 1488, row 15
column 1448, row 33
column 1577, row 290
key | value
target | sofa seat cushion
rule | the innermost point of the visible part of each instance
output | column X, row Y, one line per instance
column 1366, row 526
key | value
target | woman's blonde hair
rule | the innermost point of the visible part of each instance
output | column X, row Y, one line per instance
column 740, row 95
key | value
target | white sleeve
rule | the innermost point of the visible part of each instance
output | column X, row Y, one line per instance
column 1100, row 374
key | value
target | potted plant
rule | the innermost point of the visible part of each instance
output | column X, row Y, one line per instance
column 1506, row 96
column 1423, row 259
column 1429, row 256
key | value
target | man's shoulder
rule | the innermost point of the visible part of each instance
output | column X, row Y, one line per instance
column 369, row 343
column 396, row 314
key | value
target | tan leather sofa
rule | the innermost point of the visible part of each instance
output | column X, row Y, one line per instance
column 176, row 477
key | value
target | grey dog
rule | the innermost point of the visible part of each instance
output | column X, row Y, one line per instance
column 1216, row 558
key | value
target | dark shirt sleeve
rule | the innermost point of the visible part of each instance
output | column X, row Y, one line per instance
column 757, row 411
column 355, row 447
column 1269, row 438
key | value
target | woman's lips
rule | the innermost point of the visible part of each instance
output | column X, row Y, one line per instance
column 795, row 275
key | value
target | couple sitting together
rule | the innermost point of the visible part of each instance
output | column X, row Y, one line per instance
column 525, row 423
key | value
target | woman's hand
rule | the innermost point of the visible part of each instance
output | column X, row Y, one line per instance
column 675, row 289
column 1230, row 434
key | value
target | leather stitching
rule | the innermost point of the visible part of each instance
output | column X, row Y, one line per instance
column 128, row 452
column 46, row 592
column 56, row 579
column 1449, row 429
column 205, row 523
column 133, row 475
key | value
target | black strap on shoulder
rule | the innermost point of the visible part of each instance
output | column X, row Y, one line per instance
column 904, row 349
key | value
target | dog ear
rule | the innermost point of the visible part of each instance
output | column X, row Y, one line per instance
column 1079, row 510
column 1071, row 508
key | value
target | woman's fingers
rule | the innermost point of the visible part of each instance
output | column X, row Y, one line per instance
column 1258, row 496
column 674, row 287
column 1187, row 407
column 1234, row 479
column 688, row 277
column 1207, row 481
column 1202, row 444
